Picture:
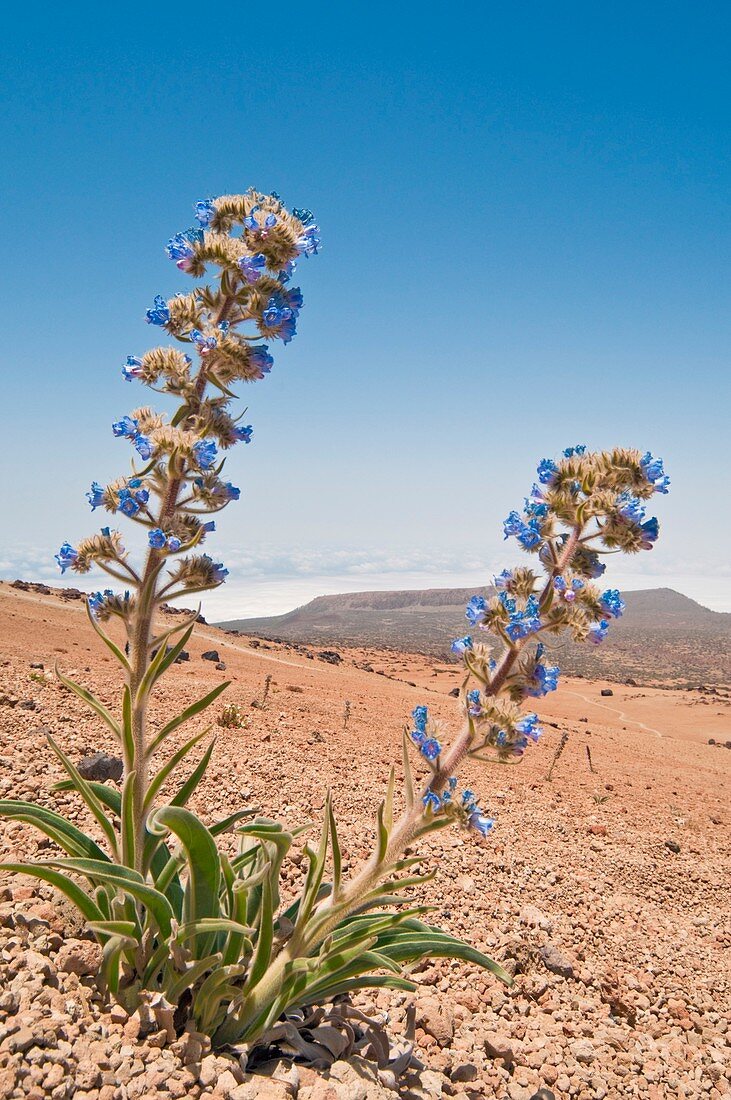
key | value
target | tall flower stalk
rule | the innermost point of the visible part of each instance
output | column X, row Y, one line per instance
column 183, row 926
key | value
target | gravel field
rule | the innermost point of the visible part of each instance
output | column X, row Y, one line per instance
column 604, row 890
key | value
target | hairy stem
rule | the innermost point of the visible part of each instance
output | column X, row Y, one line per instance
column 403, row 834
column 141, row 637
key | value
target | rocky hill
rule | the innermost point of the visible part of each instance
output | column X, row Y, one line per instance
column 663, row 635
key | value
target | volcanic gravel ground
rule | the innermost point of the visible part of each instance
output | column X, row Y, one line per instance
column 605, row 891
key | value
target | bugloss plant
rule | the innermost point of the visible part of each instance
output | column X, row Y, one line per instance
column 203, row 937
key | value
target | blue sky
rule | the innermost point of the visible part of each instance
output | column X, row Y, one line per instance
column 526, row 236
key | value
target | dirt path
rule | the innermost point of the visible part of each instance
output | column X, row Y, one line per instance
column 615, row 710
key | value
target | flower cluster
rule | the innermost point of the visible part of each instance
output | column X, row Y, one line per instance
column 582, row 506
column 255, row 243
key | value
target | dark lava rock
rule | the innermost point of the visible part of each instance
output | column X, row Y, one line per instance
column 210, row 655
column 607, row 691
column 331, row 656
column 101, row 766
column 672, row 845
column 182, row 656
column 27, row 704
column 556, row 962
column 71, row 594
column 543, row 1094
column 221, row 666
column 630, row 682
column 22, row 585
column 36, row 664
column 454, row 693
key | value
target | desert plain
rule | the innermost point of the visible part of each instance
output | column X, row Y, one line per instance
column 604, row 889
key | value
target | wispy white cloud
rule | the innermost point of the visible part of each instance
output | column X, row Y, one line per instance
column 269, row 580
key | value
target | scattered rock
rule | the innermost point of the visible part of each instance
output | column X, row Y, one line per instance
column 101, row 766
column 436, row 1018
column 554, row 960
column 331, row 656
column 607, row 692
column 80, row 957
column 583, row 1051
column 210, row 655
column 534, row 918
column 673, row 846
column 221, row 666
column 500, row 1045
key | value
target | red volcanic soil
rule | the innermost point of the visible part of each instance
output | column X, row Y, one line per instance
column 604, row 889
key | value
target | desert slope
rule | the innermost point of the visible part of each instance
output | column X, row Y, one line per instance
column 663, row 635
column 602, row 888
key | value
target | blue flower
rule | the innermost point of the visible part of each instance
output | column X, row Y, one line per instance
column 244, row 435
column 174, row 543
column 529, row 726
column 302, row 214
column 468, row 799
column 611, row 602
column 218, row 573
column 528, row 534
column 204, row 212
column 126, row 427
column 260, row 359
column 420, row 716
column 159, row 314
column 210, row 526
column 308, row 243
column 95, row 496
column 180, row 247
column 231, row 492
column 547, row 471
column 156, row 538
column 653, row 470
column 130, row 503
column 97, row 600
column 537, row 508
column 544, row 680
column 460, row 645
column 522, row 623
column 474, row 702
column 131, row 369
column 205, row 452
column 480, row 822
column 418, row 737
column 580, row 449
column 430, row 748
column 432, row 801
column 630, row 508
column 503, row 579
column 281, row 316
column 143, row 446
column 66, row 556
column 598, row 631
column 589, row 563
column 449, row 790
column 287, row 271
column 476, row 610
column 253, row 267
column 650, row 529
column 203, row 343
